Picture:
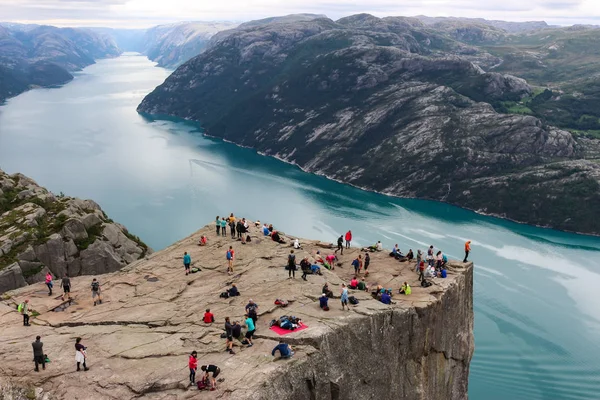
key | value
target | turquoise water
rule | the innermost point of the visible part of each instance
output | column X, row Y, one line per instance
column 537, row 304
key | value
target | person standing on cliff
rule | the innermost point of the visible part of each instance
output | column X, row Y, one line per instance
column 252, row 311
column 80, row 355
column 24, row 310
column 38, row 353
column 291, row 265
column 65, row 283
column 229, row 334
column 467, row 250
column 232, row 225
column 230, row 255
column 193, row 365
column 218, row 225
column 340, row 245
column 223, row 227
column 367, row 262
column 348, row 239
column 96, row 292
column 49, row 282
column 187, row 261
column 344, row 297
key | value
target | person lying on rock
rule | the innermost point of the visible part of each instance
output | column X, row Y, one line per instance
column 362, row 285
column 405, row 289
column 326, row 290
column 233, row 291
column 277, row 237
column 285, row 350
column 207, row 369
column 209, row 317
column 323, row 300
column 353, row 283
column 96, row 292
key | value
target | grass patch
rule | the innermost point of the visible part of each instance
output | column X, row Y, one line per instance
column 139, row 242
column 591, row 134
column 32, row 272
column 94, row 232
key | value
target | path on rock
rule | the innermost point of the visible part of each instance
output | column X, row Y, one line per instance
column 139, row 338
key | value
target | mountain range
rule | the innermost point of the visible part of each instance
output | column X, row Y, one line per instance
column 455, row 110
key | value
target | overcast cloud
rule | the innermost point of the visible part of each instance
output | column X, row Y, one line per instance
column 145, row 13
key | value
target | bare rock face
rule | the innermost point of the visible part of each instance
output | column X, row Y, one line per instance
column 139, row 339
column 40, row 231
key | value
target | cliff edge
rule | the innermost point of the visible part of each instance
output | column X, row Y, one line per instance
column 138, row 340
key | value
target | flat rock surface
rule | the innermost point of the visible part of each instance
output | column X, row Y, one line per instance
column 139, row 339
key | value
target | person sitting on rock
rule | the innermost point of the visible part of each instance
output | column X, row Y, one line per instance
column 203, row 241
column 297, row 244
column 319, row 258
column 443, row 273
column 395, row 251
column 323, row 302
column 209, row 317
column 265, row 230
column 236, row 330
column 276, row 237
column 354, row 283
column 379, row 246
column 405, row 289
column 386, row 298
column 377, row 292
column 284, row 349
column 215, row 372
column 233, row 291
column 326, row 291
column 362, row 285
column 410, row 255
column 315, row 269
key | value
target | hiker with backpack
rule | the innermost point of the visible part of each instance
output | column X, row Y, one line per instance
column 230, row 255
column 344, row 297
column 291, row 265
column 357, row 263
column 215, row 372
column 65, row 283
column 49, row 282
column 23, row 308
column 96, row 291
column 38, row 353
column 252, row 310
column 193, row 365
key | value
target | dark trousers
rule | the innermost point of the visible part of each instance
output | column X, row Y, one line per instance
column 239, row 234
column 224, row 231
column 84, row 366
column 192, row 375
column 25, row 319
column 341, row 248
column 466, row 255
column 232, row 229
column 304, row 272
column 421, row 275
column 218, row 230
column 39, row 360
column 291, row 272
column 49, row 289
column 347, row 244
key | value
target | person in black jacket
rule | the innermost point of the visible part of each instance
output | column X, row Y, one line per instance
column 38, row 353
column 340, row 244
column 305, row 266
column 291, row 266
column 229, row 333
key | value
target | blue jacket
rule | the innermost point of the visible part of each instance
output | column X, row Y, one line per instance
column 283, row 349
column 266, row 231
column 385, row 298
column 187, row 259
column 323, row 301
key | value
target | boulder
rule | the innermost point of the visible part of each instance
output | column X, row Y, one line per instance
column 74, row 229
column 11, row 278
column 99, row 258
column 90, row 220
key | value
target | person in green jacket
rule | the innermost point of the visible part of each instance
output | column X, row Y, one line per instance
column 405, row 289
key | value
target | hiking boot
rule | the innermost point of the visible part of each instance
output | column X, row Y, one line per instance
column 250, row 345
column 86, row 369
column 36, row 370
column 231, row 352
column 94, row 303
column 99, row 301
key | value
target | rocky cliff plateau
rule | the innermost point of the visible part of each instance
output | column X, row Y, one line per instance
column 379, row 103
column 41, row 232
column 138, row 340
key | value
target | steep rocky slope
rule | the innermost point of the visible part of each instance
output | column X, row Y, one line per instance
column 138, row 340
column 44, row 55
column 172, row 45
column 374, row 103
column 42, row 232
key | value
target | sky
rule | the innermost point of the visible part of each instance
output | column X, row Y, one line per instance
column 146, row 13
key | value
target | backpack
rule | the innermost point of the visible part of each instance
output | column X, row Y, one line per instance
column 194, row 270
column 353, row 300
column 228, row 255
column 95, row 286
column 20, row 308
column 425, row 283
column 224, row 295
column 203, row 384
column 281, row 303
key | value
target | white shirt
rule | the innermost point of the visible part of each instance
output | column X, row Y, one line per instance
column 296, row 244
column 379, row 246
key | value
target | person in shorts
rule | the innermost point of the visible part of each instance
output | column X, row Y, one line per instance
column 96, row 291
column 65, row 283
column 251, row 329
column 215, row 372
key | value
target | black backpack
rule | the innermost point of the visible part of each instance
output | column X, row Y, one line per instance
column 425, row 283
column 95, row 286
column 353, row 300
column 224, row 295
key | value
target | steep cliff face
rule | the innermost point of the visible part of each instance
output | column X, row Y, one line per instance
column 140, row 337
column 372, row 102
column 41, row 232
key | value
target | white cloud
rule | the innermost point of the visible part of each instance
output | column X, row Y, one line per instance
column 143, row 13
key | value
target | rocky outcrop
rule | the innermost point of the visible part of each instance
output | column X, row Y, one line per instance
column 40, row 231
column 138, row 340
column 45, row 55
column 370, row 102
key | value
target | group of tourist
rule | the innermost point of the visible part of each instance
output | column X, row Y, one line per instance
column 40, row 358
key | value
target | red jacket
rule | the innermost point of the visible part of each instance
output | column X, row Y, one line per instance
column 348, row 236
column 193, row 363
column 209, row 317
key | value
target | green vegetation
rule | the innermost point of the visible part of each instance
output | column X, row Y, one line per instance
column 139, row 242
column 94, row 232
column 33, row 271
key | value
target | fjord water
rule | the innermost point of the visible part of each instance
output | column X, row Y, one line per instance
column 537, row 303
